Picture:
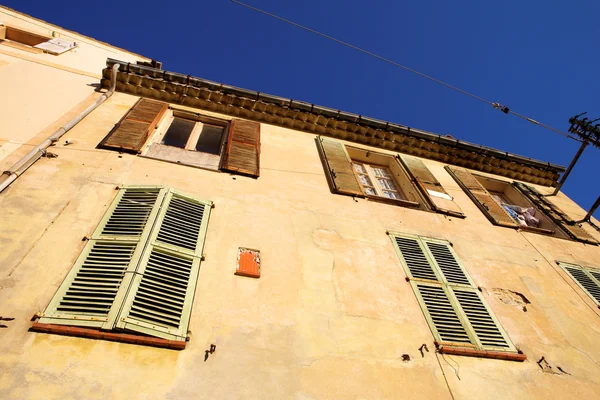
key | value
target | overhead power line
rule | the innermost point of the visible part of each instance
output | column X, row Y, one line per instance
column 497, row 106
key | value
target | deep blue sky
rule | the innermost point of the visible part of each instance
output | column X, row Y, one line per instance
column 538, row 57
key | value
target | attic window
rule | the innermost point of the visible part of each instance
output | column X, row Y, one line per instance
column 32, row 42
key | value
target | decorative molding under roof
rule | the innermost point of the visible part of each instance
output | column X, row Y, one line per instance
column 199, row 93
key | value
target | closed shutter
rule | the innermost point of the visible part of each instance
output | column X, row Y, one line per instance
column 482, row 198
column 453, row 307
column 91, row 293
column 574, row 230
column 338, row 167
column 430, row 187
column 587, row 279
column 159, row 301
column 242, row 154
column 130, row 134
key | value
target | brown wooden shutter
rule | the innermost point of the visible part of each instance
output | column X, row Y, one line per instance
column 430, row 187
column 338, row 167
column 132, row 131
column 482, row 198
column 574, row 230
column 242, row 154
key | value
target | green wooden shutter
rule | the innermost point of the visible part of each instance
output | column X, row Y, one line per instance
column 338, row 167
column 430, row 187
column 574, row 230
column 488, row 332
column 441, row 314
column 454, row 308
column 91, row 293
column 587, row 279
column 482, row 198
column 159, row 301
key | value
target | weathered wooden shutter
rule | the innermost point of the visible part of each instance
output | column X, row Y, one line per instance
column 338, row 167
column 430, row 187
column 130, row 134
column 454, row 308
column 574, row 230
column 587, row 279
column 90, row 294
column 482, row 198
column 159, row 301
column 242, row 153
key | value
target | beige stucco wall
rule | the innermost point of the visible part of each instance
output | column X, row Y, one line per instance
column 331, row 315
column 37, row 89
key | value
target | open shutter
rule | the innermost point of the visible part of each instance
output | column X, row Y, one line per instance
column 430, row 187
column 589, row 281
column 482, row 198
column 159, row 301
column 242, row 154
column 338, row 167
column 132, row 131
column 574, row 230
column 91, row 293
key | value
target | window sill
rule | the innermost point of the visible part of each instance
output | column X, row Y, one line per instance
column 24, row 47
column 111, row 336
column 403, row 203
column 470, row 352
column 537, row 230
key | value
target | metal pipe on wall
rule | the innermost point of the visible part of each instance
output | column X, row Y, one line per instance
column 11, row 174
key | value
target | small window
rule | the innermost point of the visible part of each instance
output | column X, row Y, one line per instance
column 32, row 42
column 189, row 139
column 516, row 205
column 377, row 180
column 457, row 313
column 152, row 129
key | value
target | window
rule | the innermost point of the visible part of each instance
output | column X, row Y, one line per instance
column 457, row 314
column 516, row 205
column 138, row 271
column 401, row 180
column 32, row 42
column 588, row 279
column 154, row 130
column 190, row 139
column 377, row 180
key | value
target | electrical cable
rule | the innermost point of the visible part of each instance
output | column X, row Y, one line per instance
column 504, row 109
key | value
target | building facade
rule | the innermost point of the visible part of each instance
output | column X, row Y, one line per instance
column 188, row 239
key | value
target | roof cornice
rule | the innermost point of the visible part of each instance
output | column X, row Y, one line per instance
column 199, row 93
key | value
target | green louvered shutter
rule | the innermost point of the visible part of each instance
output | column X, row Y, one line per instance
column 159, row 301
column 441, row 314
column 454, row 308
column 488, row 332
column 587, row 279
column 91, row 293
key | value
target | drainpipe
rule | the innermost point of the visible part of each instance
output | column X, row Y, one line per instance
column 11, row 174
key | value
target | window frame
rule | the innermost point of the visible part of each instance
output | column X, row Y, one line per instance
column 31, row 48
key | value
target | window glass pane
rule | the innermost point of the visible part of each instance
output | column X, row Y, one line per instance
column 364, row 179
column 210, row 139
column 178, row 133
column 392, row 195
column 372, row 191
column 359, row 168
column 382, row 172
column 386, row 184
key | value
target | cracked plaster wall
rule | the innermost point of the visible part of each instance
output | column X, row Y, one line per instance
column 331, row 315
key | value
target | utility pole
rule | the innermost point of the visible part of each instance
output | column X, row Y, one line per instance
column 588, row 134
